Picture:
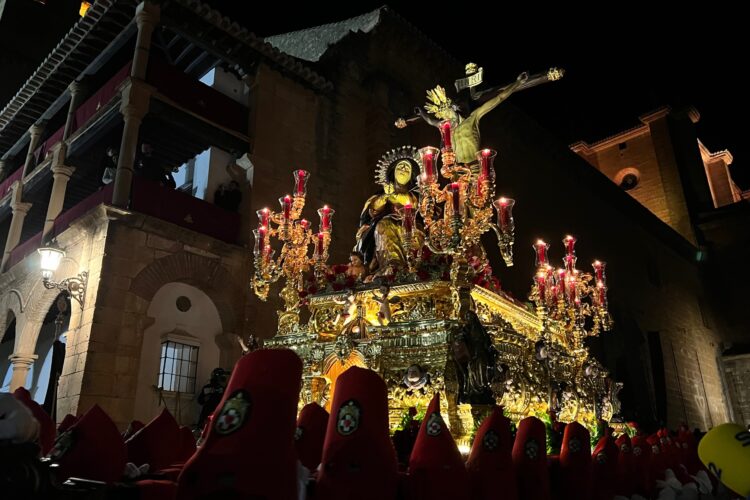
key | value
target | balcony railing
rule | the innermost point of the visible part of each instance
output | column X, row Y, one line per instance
column 184, row 210
column 152, row 199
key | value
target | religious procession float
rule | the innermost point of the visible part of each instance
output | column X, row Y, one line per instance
column 418, row 302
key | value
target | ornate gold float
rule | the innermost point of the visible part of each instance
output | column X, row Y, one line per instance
column 425, row 311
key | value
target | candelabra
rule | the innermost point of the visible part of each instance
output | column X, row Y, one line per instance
column 296, row 237
column 456, row 215
column 566, row 297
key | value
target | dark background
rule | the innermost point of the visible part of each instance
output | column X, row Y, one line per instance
column 622, row 60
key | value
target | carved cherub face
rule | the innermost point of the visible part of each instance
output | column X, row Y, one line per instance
column 413, row 373
column 355, row 260
column 402, row 172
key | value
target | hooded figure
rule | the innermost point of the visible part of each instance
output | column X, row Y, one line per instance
column 642, row 477
column 530, row 459
column 67, row 422
column 156, row 444
column 575, row 463
column 310, row 434
column 490, row 465
column 358, row 457
column 91, row 449
column 604, row 468
column 249, row 449
column 625, row 466
column 436, row 469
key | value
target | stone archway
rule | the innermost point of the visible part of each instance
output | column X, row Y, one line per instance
column 333, row 367
column 204, row 273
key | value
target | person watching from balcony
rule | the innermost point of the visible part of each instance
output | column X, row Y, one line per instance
column 109, row 166
column 228, row 196
column 149, row 167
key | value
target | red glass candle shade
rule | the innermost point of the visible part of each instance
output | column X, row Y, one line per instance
column 326, row 218
column 599, row 268
column 504, row 207
column 540, row 248
column 264, row 216
column 570, row 244
column 300, row 182
column 486, row 158
column 429, row 156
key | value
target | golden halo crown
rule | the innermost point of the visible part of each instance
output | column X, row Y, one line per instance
column 393, row 156
column 439, row 104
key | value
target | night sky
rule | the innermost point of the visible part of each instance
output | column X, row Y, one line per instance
column 622, row 60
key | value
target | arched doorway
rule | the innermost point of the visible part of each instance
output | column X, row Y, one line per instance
column 7, row 344
column 50, row 350
column 335, row 366
column 178, row 353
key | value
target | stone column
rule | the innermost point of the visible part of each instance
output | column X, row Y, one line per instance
column 146, row 17
column 20, row 209
column 60, row 175
column 134, row 106
column 35, row 131
column 76, row 94
column 21, row 364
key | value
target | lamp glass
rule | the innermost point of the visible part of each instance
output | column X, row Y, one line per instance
column 50, row 260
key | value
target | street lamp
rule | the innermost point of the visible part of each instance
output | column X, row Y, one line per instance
column 75, row 286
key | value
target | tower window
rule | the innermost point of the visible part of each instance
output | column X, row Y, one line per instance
column 627, row 178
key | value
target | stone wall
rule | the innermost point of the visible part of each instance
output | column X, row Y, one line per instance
column 654, row 279
column 129, row 257
column 737, row 376
column 647, row 151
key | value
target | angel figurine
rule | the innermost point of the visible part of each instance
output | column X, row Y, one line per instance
column 384, row 314
column 353, row 315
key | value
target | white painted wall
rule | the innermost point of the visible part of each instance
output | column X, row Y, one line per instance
column 197, row 326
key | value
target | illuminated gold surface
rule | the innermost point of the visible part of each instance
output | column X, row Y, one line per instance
column 421, row 332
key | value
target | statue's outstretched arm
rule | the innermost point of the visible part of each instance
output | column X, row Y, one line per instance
column 419, row 114
column 426, row 117
column 551, row 75
column 502, row 94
